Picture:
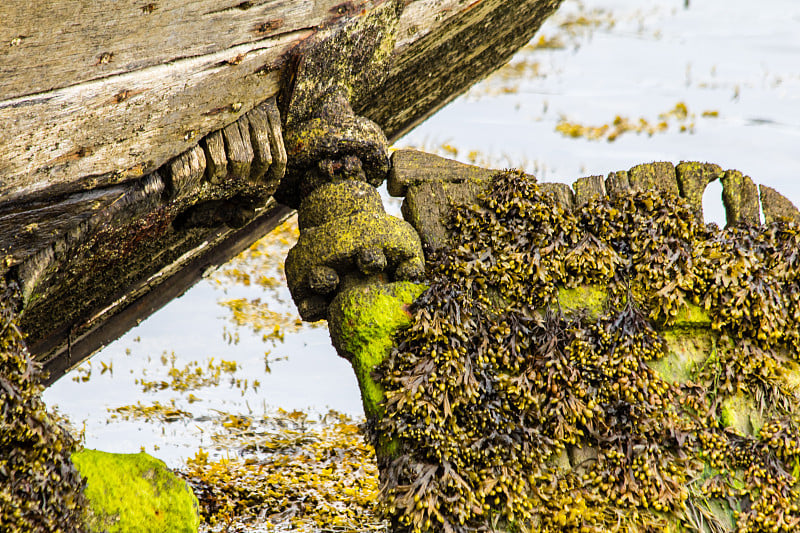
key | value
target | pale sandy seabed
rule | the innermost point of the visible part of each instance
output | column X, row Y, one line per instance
column 731, row 69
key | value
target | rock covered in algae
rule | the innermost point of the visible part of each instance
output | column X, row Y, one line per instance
column 135, row 492
column 670, row 404
column 362, row 322
column 40, row 490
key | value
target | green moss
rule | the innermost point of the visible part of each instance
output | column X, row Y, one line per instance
column 691, row 316
column 135, row 493
column 739, row 412
column 686, row 350
column 589, row 298
column 363, row 321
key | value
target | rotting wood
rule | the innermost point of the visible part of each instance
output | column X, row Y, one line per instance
column 259, row 138
column 238, row 149
column 693, row 178
column 279, row 157
column 150, row 232
column 776, row 206
column 588, row 188
column 431, row 69
column 112, row 133
column 185, row 172
column 125, row 125
column 216, row 160
column 87, row 140
column 51, row 44
column 66, row 351
column 429, row 195
column 740, row 198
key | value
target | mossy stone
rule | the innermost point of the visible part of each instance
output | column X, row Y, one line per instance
column 739, row 412
column 362, row 322
column 590, row 299
column 135, row 493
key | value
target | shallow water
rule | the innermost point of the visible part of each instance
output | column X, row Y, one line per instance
column 626, row 58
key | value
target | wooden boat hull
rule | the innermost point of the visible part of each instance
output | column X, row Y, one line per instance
column 101, row 120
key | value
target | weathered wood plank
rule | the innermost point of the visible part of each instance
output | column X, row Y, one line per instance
column 237, row 146
column 185, row 172
column 279, row 156
column 126, row 125
column 89, row 136
column 216, row 160
column 51, row 44
column 259, row 138
column 431, row 69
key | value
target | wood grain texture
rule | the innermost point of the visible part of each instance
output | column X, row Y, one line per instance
column 124, row 125
column 51, row 44
column 216, row 161
column 259, row 139
column 471, row 40
column 89, row 136
column 240, row 153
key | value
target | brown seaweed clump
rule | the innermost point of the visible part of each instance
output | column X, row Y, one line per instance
column 40, row 490
column 510, row 412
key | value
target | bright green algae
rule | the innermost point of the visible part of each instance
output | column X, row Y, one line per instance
column 135, row 492
column 664, row 403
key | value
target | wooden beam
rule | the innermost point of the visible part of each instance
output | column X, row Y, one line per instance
column 52, row 44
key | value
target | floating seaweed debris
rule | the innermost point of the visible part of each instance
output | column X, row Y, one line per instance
column 512, row 412
column 621, row 125
column 292, row 472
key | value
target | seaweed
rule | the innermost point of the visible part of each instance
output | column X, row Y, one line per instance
column 514, row 412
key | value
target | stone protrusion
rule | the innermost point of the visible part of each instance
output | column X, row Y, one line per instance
column 776, row 207
column 412, row 168
column 659, row 176
column 135, row 492
column 693, row 178
column 588, row 188
column 371, row 261
column 740, row 198
column 411, row 270
column 347, row 239
column 333, row 145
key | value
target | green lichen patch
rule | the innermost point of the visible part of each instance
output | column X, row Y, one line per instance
column 362, row 322
column 40, row 490
column 591, row 300
column 492, row 385
column 135, row 492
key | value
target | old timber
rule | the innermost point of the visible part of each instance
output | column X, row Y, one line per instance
column 141, row 144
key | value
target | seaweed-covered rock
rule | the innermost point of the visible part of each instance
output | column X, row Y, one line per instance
column 621, row 368
column 40, row 490
column 135, row 492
